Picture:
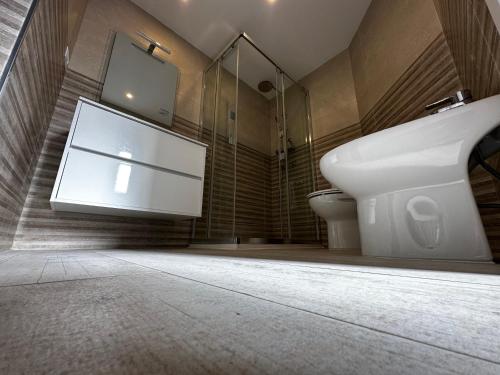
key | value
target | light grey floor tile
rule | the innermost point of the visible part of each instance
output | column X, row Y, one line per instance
column 195, row 312
column 28, row 267
column 162, row 324
column 457, row 316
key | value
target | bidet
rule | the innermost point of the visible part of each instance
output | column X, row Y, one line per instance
column 412, row 186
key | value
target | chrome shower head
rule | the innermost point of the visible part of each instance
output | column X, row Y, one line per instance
column 265, row 86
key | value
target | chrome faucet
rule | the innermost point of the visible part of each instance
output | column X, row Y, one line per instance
column 460, row 98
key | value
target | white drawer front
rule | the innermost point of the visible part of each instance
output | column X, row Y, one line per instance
column 104, row 181
column 111, row 134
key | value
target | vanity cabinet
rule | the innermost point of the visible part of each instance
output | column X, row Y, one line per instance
column 116, row 164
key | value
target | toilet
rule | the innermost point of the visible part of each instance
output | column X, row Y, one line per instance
column 339, row 211
column 412, row 187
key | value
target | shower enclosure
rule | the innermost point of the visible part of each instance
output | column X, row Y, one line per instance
column 259, row 169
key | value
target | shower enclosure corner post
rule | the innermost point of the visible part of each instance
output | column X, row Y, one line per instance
column 235, row 154
column 214, row 147
column 280, row 145
column 314, row 177
column 200, row 138
column 285, row 150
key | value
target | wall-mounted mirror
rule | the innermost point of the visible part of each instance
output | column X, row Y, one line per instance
column 140, row 82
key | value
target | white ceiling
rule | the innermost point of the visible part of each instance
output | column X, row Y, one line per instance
column 299, row 35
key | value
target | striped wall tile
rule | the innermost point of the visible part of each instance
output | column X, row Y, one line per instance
column 27, row 101
column 302, row 218
column 279, row 212
column 253, row 191
column 474, row 43
column 13, row 14
column 431, row 77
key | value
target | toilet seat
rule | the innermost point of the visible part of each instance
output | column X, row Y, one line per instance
column 331, row 191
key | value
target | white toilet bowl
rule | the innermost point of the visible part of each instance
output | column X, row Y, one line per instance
column 412, row 185
column 339, row 211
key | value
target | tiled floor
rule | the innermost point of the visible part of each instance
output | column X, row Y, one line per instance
column 258, row 311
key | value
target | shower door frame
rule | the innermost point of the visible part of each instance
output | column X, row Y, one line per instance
column 280, row 74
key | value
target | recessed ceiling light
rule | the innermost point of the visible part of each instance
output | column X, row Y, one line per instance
column 129, row 95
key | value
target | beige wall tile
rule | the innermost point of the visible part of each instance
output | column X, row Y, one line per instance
column 332, row 96
column 103, row 18
column 253, row 113
column 76, row 11
column 296, row 115
column 253, row 121
column 392, row 35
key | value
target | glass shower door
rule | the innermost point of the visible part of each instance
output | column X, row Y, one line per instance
column 207, row 122
column 223, row 142
column 253, row 173
column 302, row 222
